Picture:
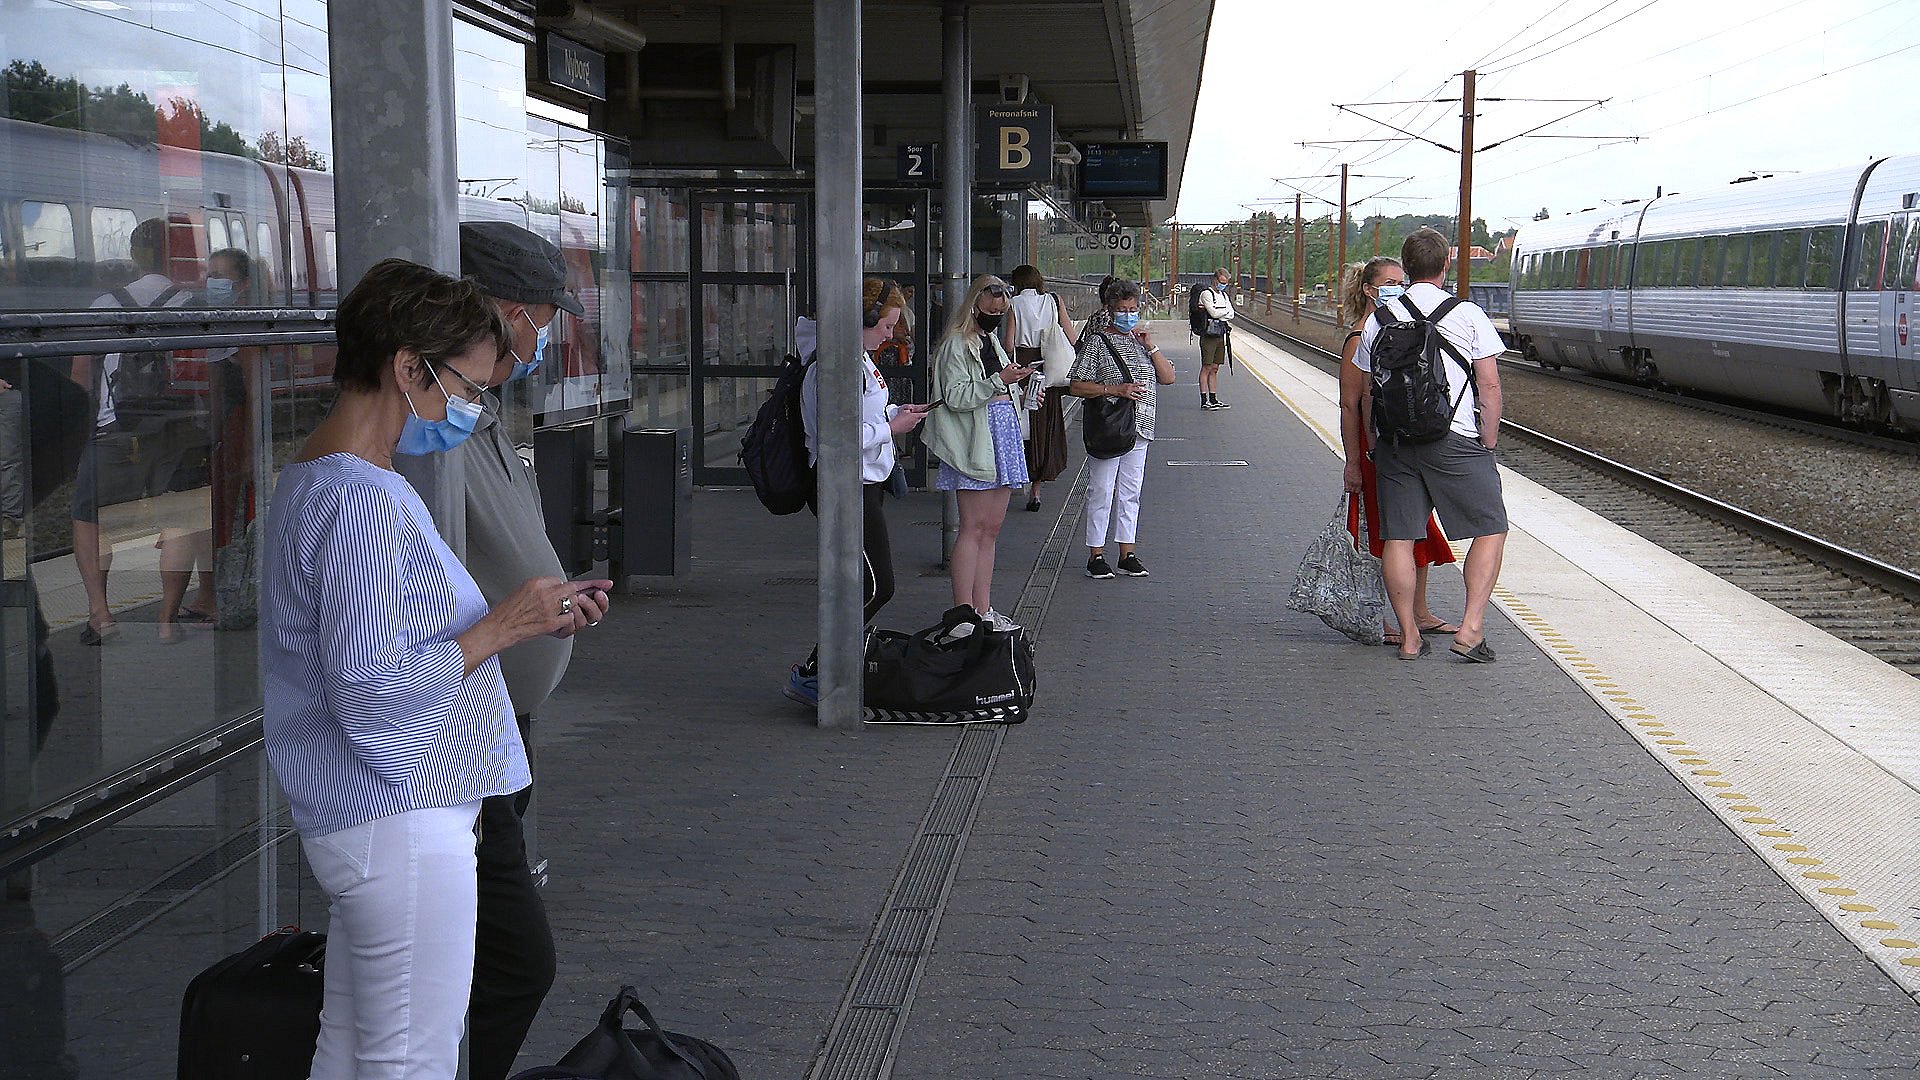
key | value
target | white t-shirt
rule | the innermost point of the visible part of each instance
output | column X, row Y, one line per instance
column 1466, row 326
column 144, row 292
column 876, row 437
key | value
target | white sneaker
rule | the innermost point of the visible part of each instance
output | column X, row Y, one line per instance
column 996, row 621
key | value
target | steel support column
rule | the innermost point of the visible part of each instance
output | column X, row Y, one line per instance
column 839, row 185
column 395, row 183
column 956, row 203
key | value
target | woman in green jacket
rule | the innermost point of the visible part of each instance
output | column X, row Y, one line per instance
column 975, row 432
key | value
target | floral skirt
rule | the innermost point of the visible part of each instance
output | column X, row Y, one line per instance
column 1009, row 454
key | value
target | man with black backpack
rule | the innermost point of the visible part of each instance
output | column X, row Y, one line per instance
column 1433, row 361
column 1210, row 317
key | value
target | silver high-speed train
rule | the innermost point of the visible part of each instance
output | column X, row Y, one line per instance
column 1795, row 291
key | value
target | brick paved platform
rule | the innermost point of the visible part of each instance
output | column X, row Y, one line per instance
column 1228, row 844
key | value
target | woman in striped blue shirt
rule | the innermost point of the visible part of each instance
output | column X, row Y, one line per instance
column 386, row 717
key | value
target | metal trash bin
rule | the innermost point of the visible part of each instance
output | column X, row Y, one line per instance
column 654, row 535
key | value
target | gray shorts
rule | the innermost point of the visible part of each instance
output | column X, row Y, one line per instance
column 1455, row 476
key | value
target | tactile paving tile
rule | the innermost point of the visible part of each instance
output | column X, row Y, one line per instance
column 1806, row 747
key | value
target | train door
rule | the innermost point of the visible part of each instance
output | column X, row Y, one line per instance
column 1902, row 279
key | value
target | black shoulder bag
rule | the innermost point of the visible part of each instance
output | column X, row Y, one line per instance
column 1107, row 423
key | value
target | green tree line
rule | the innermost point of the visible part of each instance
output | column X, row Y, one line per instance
column 1203, row 249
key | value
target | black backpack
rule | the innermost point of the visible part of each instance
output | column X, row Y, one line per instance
column 774, row 449
column 1410, row 402
column 1197, row 309
column 143, row 379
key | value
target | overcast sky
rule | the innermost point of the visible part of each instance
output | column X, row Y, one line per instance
column 1676, row 71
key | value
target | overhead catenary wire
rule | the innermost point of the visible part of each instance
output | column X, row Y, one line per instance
column 1575, row 41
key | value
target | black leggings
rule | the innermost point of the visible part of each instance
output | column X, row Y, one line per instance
column 876, row 577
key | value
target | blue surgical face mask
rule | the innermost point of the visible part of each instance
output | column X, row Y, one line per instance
column 1391, row 292
column 438, row 436
column 1126, row 320
column 220, row 292
column 524, row 368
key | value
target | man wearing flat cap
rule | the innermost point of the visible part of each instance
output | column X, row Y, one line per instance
column 507, row 543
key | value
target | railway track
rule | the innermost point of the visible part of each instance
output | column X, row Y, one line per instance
column 1861, row 600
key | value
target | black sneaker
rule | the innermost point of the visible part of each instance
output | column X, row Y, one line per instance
column 1218, row 404
column 1132, row 566
column 1097, row 568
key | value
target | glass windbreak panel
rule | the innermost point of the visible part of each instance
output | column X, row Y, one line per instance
column 1738, row 249
column 490, row 104
column 746, row 325
column 151, row 900
column 1790, row 260
column 663, row 401
column 730, row 405
column 750, row 237
column 1864, row 271
column 190, row 122
column 891, row 237
column 1823, row 257
column 659, row 238
column 662, row 329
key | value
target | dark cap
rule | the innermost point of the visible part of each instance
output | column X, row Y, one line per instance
column 513, row 264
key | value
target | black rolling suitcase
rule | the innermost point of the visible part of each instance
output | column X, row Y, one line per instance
column 931, row 678
column 256, row 1014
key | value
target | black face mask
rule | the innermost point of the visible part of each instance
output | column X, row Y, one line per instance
column 988, row 323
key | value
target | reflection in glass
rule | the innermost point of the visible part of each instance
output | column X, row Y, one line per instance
column 729, row 406
column 662, row 333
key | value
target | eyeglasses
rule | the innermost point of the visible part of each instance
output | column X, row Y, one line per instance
column 477, row 388
column 999, row 291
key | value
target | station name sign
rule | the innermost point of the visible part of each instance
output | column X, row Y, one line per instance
column 573, row 66
column 1015, row 144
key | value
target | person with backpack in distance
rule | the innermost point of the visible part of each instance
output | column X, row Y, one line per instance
column 1433, row 362
column 1210, row 316
column 976, row 434
column 1364, row 287
column 883, row 305
column 109, row 450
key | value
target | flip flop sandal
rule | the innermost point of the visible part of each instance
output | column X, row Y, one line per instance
column 90, row 636
column 1479, row 654
column 1441, row 628
column 190, row 615
column 1425, row 648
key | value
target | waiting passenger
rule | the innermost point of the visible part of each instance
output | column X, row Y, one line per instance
column 975, row 432
column 1034, row 312
column 387, row 721
column 110, row 450
column 1364, row 287
column 1119, row 360
column 1457, row 474
column 525, row 278
column 883, row 306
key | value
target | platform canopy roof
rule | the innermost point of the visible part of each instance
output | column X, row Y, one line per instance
column 1111, row 69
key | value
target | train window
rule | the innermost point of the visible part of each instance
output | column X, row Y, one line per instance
column 332, row 280
column 46, row 230
column 1863, row 270
column 1712, row 254
column 1686, row 262
column 1735, row 271
column 237, row 231
column 112, row 234
column 1582, row 268
column 1890, row 274
column 217, row 233
column 1823, row 258
column 1760, row 262
column 263, row 252
column 1563, row 270
column 1663, row 264
column 1603, row 266
column 1790, row 260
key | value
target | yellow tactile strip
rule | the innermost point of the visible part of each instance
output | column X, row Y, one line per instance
column 1745, row 814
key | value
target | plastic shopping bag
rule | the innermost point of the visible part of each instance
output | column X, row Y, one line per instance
column 1340, row 581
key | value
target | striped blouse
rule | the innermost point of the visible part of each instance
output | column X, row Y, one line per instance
column 369, row 710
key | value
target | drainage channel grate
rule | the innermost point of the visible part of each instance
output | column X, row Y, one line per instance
column 867, row 1028
column 1236, row 463
column 793, row 581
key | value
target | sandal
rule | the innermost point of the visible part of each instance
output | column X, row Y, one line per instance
column 91, row 636
column 1442, row 627
column 1390, row 637
column 1479, row 654
column 1425, row 648
column 187, row 616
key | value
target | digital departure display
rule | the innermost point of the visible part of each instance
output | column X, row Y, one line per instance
column 1123, row 170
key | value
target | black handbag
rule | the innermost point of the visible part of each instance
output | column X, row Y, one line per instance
column 612, row 1052
column 256, row 1014
column 934, row 678
column 1108, row 424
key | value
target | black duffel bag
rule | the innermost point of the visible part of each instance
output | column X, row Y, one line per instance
column 932, row 677
column 612, row 1052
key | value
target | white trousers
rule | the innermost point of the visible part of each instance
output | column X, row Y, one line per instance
column 1113, row 495
column 402, row 897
